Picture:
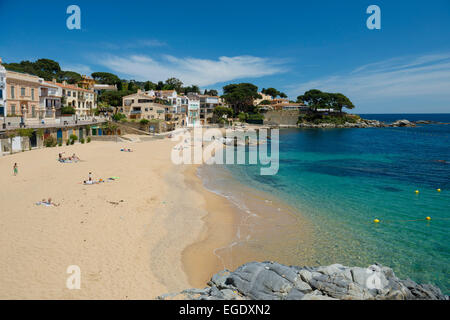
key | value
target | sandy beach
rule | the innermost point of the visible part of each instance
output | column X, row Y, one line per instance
column 155, row 230
column 127, row 236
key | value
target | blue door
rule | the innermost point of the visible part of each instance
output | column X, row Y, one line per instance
column 59, row 136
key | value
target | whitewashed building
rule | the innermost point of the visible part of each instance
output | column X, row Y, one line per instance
column 2, row 90
column 49, row 99
column 193, row 111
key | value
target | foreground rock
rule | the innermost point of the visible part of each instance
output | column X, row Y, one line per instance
column 273, row 281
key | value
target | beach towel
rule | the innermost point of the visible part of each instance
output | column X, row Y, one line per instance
column 44, row 204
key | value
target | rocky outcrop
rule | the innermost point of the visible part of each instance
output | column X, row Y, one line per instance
column 402, row 123
column 274, row 281
column 363, row 123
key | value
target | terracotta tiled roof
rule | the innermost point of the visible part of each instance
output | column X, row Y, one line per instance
column 70, row 86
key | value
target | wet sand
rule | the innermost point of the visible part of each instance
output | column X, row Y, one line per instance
column 257, row 228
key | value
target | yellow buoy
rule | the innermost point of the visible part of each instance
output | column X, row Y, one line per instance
column 376, row 220
column 428, row 218
column 438, row 190
column 417, row 191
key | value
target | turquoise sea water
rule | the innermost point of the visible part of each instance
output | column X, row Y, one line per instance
column 342, row 179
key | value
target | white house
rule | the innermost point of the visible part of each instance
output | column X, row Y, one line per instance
column 193, row 112
column 49, row 99
column 2, row 90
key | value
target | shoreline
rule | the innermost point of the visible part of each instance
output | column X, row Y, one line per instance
column 218, row 230
column 241, row 232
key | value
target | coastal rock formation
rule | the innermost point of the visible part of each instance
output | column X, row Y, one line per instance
column 402, row 123
column 363, row 123
column 274, row 281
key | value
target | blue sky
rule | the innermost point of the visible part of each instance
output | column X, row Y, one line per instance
column 290, row 45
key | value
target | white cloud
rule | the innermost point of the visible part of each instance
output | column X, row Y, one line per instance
column 427, row 75
column 196, row 71
column 132, row 44
column 79, row 68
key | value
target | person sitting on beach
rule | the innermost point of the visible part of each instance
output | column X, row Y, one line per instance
column 74, row 157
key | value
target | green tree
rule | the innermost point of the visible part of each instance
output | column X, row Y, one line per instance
column 114, row 98
column 314, row 99
column 240, row 96
column 265, row 102
column 44, row 68
column 338, row 101
column 219, row 112
column 317, row 99
column 274, row 93
column 69, row 76
column 173, row 84
column 131, row 86
column 67, row 110
column 190, row 89
column 118, row 116
column 160, row 85
column 211, row 92
column 105, row 78
column 149, row 86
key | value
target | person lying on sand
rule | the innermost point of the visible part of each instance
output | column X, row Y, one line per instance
column 90, row 181
column 47, row 203
column 74, row 157
column 126, row 150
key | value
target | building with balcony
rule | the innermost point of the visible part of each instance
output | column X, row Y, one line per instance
column 193, row 111
column 207, row 105
column 82, row 100
column 142, row 106
column 49, row 99
column 22, row 95
column 86, row 82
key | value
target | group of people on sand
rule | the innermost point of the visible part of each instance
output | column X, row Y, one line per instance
column 74, row 157
column 126, row 150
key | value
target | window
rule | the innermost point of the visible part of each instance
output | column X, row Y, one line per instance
column 13, row 109
column 1, row 94
column 22, row 91
column 32, row 94
column 33, row 111
column 64, row 92
column 12, row 92
column 68, row 93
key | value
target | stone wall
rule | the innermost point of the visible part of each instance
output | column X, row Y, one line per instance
column 281, row 117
